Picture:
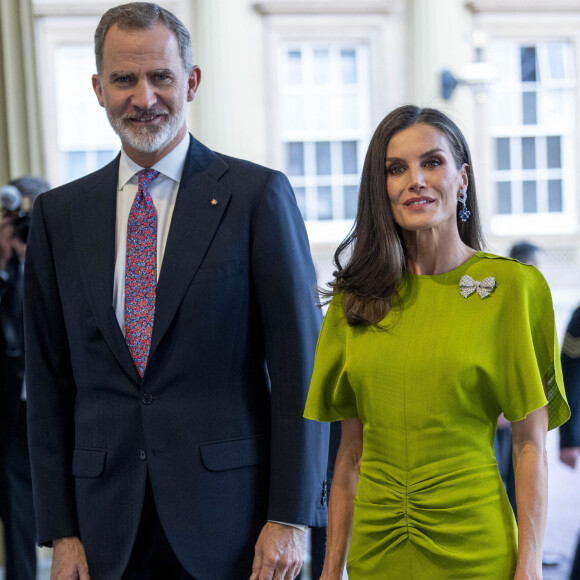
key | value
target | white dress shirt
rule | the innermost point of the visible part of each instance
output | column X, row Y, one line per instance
column 163, row 192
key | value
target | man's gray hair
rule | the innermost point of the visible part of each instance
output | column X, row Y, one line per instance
column 142, row 16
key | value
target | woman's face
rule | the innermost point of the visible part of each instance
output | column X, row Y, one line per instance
column 422, row 179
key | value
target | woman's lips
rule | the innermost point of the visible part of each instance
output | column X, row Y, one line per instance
column 418, row 202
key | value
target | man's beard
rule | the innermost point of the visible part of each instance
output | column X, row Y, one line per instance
column 148, row 139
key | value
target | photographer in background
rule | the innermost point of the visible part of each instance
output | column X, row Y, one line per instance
column 16, row 509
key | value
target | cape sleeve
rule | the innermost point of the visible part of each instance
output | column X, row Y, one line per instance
column 533, row 353
column 331, row 396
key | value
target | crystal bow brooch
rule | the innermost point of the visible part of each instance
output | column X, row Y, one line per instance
column 468, row 286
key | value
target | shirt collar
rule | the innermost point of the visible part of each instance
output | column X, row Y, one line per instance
column 171, row 165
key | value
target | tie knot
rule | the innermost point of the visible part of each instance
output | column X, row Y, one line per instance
column 146, row 176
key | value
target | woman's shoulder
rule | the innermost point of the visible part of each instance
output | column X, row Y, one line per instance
column 513, row 271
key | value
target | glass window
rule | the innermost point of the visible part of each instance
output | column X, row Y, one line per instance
column 300, row 193
column 324, row 202
column 349, row 157
column 503, row 156
column 294, row 67
column 325, row 125
column 530, row 116
column 528, row 153
column 321, row 66
column 348, row 62
column 504, row 197
column 530, row 197
column 555, row 195
column 554, row 152
column 556, row 60
column 537, row 84
column 104, row 157
column 75, row 165
column 350, row 201
column 528, row 63
column 295, row 158
column 323, row 158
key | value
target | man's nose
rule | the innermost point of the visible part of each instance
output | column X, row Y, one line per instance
column 144, row 96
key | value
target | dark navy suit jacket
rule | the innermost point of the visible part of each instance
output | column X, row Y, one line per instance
column 570, row 431
column 216, row 421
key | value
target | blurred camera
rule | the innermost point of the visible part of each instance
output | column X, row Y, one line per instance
column 21, row 226
column 11, row 198
column 11, row 202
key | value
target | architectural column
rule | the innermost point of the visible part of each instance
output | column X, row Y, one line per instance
column 228, row 113
column 440, row 38
column 20, row 130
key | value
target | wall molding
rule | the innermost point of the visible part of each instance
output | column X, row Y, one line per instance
column 296, row 7
column 523, row 6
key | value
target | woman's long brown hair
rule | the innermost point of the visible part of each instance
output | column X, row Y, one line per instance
column 373, row 253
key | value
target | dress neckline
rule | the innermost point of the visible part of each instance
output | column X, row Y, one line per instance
column 478, row 254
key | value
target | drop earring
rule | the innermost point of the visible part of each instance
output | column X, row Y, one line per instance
column 464, row 213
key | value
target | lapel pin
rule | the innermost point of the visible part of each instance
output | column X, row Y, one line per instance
column 214, row 202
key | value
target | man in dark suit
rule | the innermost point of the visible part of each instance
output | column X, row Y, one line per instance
column 165, row 415
column 16, row 509
column 570, row 431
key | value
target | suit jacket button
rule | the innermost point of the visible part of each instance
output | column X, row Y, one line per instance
column 146, row 399
column 142, row 455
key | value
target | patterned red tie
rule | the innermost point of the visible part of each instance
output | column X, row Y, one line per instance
column 141, row 271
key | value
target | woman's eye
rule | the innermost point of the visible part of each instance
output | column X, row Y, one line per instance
column 433, row 162
column 394, row 169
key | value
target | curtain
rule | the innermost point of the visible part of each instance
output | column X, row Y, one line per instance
column 20, row 127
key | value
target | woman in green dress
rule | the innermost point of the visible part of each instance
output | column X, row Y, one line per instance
column 427, row 339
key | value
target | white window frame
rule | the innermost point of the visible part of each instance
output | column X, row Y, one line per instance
column 520, row 22
column 376, row 24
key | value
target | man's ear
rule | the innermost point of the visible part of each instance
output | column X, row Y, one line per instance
column 97, row 87
column 193, row 81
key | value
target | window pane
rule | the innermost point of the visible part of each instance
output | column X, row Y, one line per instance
column 75, row 164
column 554, row 152
column 293, row 113
column 528, row 62
column 295, row 67
column 321, row 66
column 349, row 158
column 529, row 108
column 348, row 65
column 556, row 60
column 323, row 158
column 350, row 201
column 322, row 112
column 350, row 111
column 502, row 147
column 103, row 157
column 554, row 104
column 324, row 203
column 295, row 158
column 555, row 195
column 300, row 193
column 504, row 197
column 530, row 197
column 528, row 153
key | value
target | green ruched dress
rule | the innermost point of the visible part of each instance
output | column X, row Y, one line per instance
column 428, row 390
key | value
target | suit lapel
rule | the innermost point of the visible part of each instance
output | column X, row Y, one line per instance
column 200, row 205
column 94, row 223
